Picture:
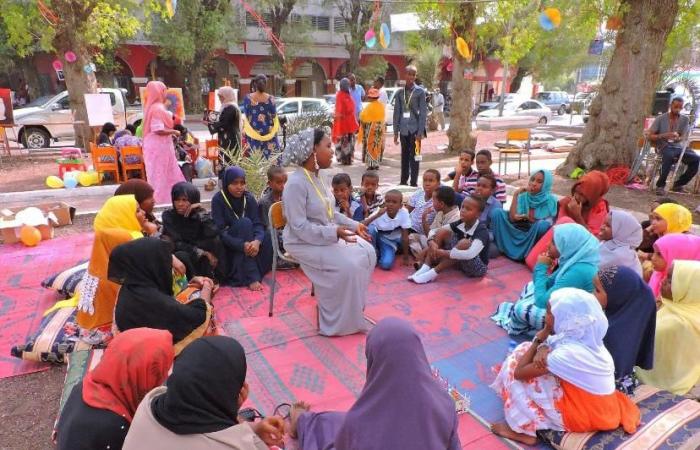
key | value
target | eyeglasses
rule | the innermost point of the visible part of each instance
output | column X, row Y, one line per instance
column 282, row 410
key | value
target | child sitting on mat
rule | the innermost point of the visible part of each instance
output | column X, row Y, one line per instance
column 420, row 206
column 389, row 228
column 464, row 171
column 486, row 189
column 462, row 244
column 444, row 202
column 345, row 203
column 483, row 163
column 371, row 200
column 276, row 179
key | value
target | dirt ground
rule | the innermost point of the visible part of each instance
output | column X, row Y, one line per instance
column 28, row 408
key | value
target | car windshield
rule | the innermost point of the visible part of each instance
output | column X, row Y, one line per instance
column 543, row 96
column 39, row 101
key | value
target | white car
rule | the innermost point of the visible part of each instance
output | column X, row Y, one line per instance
column 292, row 107
column 523, row 113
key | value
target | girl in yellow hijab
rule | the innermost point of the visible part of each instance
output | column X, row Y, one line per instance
column 676, row 357
column 120, row 220
column 670, row 218
column 371, row 133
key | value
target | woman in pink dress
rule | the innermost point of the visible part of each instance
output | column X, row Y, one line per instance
column 162, row 169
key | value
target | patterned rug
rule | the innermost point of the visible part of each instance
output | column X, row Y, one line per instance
column 23, row 300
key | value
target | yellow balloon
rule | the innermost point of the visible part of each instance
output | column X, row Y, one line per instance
column 554, row 16
column 54, row 182
column 29, row 236
column 463, row 48
column 88, row 178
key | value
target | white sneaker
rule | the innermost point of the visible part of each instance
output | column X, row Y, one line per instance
column 424, row 268
column 426, row 277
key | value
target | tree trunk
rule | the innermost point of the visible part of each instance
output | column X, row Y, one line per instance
column 194, row 89
column 78, row 83
column 624, row 98
column 518, row 79
column 354, row 61
column 31, row 76
column 460, row 132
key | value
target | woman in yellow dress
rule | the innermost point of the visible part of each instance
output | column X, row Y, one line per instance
column 372, row 130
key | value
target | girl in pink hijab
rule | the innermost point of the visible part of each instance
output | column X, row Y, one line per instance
column 667, row 249
column 162, row 169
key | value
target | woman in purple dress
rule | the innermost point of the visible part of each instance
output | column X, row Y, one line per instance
column 399, row 387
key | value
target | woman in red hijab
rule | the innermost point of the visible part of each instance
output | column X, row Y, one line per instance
column 100, row 408
column 162, row 170
column 344, row 124
column 586, row 206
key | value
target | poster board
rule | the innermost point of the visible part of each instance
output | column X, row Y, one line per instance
column 6, row 115
column 99, row 109
column 174, row 101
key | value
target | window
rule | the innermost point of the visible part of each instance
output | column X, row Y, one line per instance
column 543, row 96
column 288, row 108
column 321, row 23
column 64, row 102
column 251, row 21
column 308, row 106
column 339, row 25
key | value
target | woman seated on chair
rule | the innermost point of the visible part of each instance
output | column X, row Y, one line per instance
column 193, row 233
column 531, row 214
column 564, row 379
column 104, row 139
column 100, row 408
column 333, row 250
column 198, row 408
column 144, row 196
column 586, row 206
column 399, row 386
column 143, row 268
column 247, row 243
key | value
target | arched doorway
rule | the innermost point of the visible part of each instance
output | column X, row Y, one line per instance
column 221, row 72
column 310, row 79
column 391, row 77
column 122, row 76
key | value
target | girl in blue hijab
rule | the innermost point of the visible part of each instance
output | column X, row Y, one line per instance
column 247, row 243
column 571, row 261
column 531, row 214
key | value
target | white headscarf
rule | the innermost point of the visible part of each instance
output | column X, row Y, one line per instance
column 621, row 249
column 578, row 353
column 228, row 96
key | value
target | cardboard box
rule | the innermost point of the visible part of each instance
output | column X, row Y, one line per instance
column 58, row 214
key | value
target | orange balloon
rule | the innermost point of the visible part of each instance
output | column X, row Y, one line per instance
column 29, row 235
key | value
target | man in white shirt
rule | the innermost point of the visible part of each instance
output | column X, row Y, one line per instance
column 379, row 85
column 438, row 104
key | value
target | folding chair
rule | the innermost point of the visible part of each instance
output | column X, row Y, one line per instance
column 132, row 159
column 104, row 159
column 212, row 153
column 277, row 222
column 521, row 134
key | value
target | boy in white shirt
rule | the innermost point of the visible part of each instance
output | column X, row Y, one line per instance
column 389, row 228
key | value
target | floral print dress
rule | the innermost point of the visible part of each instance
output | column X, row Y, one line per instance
column 528, row 405
column 261, row 117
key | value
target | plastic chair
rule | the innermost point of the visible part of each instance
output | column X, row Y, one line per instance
column 211, row 150
column 104, row 159
column 515, row 150
column 277, row 221
column 132, row 159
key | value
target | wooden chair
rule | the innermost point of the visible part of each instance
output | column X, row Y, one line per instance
column 513, row 150
column 211, row 150
column 104, row 159
column 132, row 159
column 277, row 221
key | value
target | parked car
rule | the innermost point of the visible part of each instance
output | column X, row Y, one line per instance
column 329, row 98
column 522, row 113
column 293, row 107
column 556, row 101
column 41, row 122
column 496, row 100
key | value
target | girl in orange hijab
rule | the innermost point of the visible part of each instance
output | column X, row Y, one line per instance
column 100, row 408
column 586, row 206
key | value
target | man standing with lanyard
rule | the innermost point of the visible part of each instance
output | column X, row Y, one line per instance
column 410, row 113
column 668, row 132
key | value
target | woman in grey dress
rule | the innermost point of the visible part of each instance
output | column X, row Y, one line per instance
column 332, row 249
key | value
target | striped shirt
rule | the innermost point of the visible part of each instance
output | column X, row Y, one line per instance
column 467, row 185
